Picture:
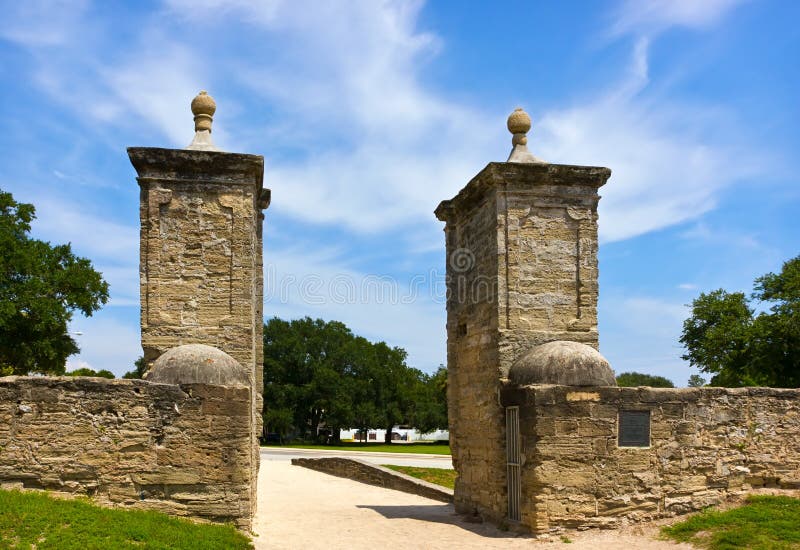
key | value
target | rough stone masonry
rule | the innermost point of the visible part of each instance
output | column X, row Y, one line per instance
column 521, row 242
column 535, row 454
column 190, row 446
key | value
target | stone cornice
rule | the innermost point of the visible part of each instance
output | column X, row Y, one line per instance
column 545, row 180
column 154, row 163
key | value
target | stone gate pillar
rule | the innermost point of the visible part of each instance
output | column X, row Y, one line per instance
column 201, row 271
column 521, row 241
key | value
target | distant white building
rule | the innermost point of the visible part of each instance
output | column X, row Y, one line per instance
column 399, row 433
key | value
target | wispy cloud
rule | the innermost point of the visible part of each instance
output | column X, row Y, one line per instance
column 644, row 336
column 354, row 135
column 361, row 141
column 319, row 282
column 653, row 16
column 106, row 343
column 37, row 23
column 670, row 159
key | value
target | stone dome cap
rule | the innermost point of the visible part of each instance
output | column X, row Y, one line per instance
column 197, row 364
column 564, row 363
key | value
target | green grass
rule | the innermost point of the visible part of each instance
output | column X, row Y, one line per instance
column 37, row 520
column 439, row 476
column 415, row 448
column 763, row 522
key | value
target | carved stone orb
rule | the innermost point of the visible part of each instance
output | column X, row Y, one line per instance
column 519, row 122
column 197, row 364
column 564, row 363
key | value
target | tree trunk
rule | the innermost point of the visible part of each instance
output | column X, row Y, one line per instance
column 388, row 437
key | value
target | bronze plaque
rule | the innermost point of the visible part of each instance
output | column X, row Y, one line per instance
column 634, row 429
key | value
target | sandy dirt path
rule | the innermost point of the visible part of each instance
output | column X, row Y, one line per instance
column 303, row 509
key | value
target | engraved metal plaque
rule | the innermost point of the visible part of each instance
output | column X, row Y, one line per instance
column 634, row 428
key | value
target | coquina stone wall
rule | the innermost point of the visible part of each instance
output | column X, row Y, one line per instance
column 373, row 474
column 201, row 269
column 521, row 271
column 705, row 445
column 185, row 450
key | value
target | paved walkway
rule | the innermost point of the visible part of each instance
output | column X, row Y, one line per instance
column 303, row 509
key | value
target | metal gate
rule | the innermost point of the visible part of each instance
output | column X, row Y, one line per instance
column 513, row 462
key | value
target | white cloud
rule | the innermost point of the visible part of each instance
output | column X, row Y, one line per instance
column 653, row 16
column 319, row 283
column 41, row 23
column 112, row 247
column 688, row 286
column 641, row 334
column 106, row 343
column 75, row 364
column 372, row 147
column 370, row 142
column 670, row 160
column 705, row 233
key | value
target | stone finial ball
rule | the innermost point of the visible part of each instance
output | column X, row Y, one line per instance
column 563, row 363
column 197, row 364
column 519, row 122
column 203, row 104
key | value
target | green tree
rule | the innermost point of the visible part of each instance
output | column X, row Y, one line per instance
column 139, row 369
column 633, row 379
column 430, row 411
column 85, row 371
column 305, row 365
column 696, row 381
column 319, row 374
column 41, row 285
column 726, row 338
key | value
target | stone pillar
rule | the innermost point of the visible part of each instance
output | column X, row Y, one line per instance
column 521, row 241
column 201, row 272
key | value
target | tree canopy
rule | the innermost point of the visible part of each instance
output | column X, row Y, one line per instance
column 318, row 373
column 727, row 338
column 41, row 285
column 633, row 379
column 696, row 381
column 139, row 369
column 86, row 371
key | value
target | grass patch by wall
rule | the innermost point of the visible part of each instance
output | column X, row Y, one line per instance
column 439, row 476
column 414, row 448
column 37, row 520
column 763, row 522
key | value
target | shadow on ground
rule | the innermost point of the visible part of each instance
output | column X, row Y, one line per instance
column 440, row 513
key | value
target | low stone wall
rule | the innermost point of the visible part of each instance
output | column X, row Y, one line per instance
column 705, row 445
column 375, row 475
column 184, row 450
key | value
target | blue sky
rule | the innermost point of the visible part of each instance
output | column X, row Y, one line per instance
column 369, row 113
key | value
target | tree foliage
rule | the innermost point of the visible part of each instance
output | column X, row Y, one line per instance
column 696, row 381
column 725, row 336
column 633, row 379
column 85, row 371
column 319, row 373
column 139, row 369
column 41, row 285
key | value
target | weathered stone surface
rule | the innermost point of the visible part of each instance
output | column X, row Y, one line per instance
column 565, row 363
column 373, row 474
column 131, row 443
column 577, row 475
column 201, row 268
column 521, row 271
column 197, row 364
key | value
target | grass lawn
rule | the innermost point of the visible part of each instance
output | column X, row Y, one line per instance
column 439, row 476
column 37, row 520
column 763, row 522
column 415, row 448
